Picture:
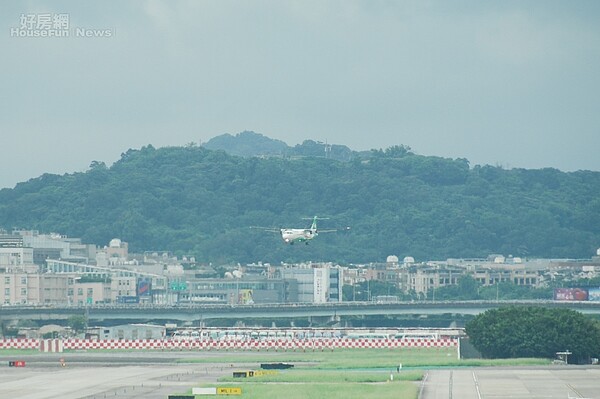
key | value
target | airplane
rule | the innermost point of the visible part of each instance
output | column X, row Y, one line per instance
column 291, row 236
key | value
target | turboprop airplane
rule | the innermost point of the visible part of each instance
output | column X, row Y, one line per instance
column 291, row 236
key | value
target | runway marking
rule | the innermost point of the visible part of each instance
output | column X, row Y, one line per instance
column 423, row 384
column 572, row 388
column 450, row 384
column 476, row 385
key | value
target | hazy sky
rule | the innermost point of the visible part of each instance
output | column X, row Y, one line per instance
column 511, row 83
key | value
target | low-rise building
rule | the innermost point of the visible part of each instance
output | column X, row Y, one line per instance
column 235, row 291
column 127, row 331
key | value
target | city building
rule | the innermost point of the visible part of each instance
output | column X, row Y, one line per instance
column 117, row 285
column 316, row 282
column 127, row 331
column 56, row 246
column 54, row 269
column 236, row 291
column 13, row 251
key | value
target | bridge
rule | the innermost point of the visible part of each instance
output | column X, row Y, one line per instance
column 100, row 314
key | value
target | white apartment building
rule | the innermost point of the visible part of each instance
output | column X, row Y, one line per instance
column 317, row 283
column 13, row 252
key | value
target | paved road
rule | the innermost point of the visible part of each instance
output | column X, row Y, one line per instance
column 561, row 382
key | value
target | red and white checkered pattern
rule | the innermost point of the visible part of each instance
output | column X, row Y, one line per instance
column 225, row 345
column 70, row 343
column 19, row 343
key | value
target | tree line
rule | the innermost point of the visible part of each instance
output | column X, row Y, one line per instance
column 198, row 202
column 521, row 332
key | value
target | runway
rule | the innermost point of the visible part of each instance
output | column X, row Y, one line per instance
column 156, row 375
column 560, row 382
column 99, row 376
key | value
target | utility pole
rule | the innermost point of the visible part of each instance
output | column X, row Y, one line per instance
column 497, row 291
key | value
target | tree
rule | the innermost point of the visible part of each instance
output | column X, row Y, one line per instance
column 466, row 289
column 201, row 202
column 512, row 332
column 78, row 323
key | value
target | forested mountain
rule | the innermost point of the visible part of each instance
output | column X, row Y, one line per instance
column 200, row 202
column 247, row 144
column 251, row 144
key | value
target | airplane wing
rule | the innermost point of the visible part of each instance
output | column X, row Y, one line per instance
column 333, row 230
column 270, row 229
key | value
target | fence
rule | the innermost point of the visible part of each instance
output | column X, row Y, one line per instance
column 58, row 345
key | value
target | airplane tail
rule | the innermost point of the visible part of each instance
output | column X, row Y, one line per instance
column 313, row 226
column 314, row 219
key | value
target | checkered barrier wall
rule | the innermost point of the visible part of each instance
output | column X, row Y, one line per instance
column 225, row 345
column 19, row 343
column 79, row 344
column 303, row 344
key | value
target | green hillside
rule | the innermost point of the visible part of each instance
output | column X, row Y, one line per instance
column 199, row 202
column 251, row 144
column 247, row 144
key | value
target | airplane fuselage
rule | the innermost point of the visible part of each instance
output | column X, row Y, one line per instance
column 290, row 236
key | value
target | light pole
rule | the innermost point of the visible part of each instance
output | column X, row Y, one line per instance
column 497, row 291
